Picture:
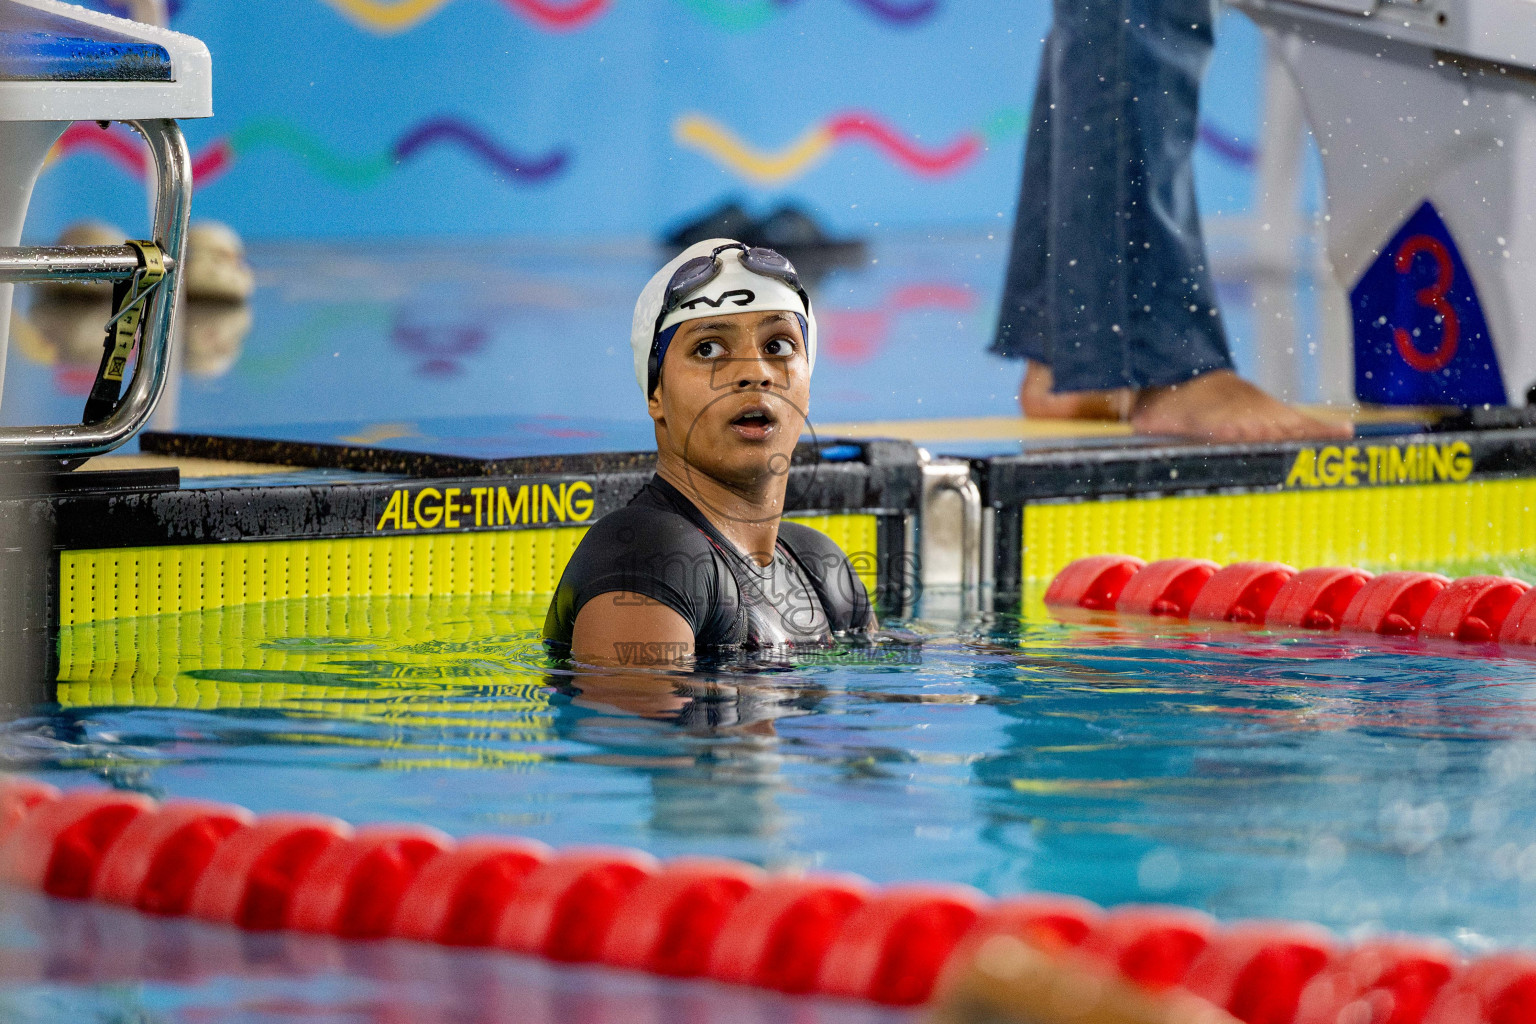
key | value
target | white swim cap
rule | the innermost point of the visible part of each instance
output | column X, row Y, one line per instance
column 734, row 290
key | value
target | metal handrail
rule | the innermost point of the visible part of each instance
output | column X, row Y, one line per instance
column 173, row 204
column 28, row 263
column 954, row 476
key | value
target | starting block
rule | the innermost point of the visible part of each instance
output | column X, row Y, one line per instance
column 1424, row 113
column 58, row 64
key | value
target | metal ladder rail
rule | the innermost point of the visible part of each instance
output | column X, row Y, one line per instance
column 951, row 476
column 173, row 204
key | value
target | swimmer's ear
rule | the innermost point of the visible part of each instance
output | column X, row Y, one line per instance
column 653, row 404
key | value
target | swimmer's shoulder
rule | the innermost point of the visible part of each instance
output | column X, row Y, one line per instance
column 646, row 550
column 809, row 541
column 642, row 529
column 640, row 543
column 841, row 590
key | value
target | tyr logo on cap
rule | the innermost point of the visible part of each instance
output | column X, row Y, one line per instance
column 742, row 296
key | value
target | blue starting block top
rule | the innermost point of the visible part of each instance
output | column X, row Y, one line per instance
column 39, row 47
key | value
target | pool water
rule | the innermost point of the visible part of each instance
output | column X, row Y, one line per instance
column 388, row 333
column 83, row 962
column 1367, row 784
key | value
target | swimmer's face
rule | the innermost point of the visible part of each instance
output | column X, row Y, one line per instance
column 733, row 395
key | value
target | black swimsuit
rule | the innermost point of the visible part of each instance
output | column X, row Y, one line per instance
column 662, row 547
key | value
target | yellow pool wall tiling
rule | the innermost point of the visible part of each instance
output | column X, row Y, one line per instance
column 1402, row 527
column 381, row 658
column 107, row 583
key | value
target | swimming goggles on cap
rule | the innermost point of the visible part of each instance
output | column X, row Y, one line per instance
column 701, row 270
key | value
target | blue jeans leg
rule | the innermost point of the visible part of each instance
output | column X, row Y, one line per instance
column 1107, row 279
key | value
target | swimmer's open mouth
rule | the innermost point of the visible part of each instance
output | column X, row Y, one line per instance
column 754, row 422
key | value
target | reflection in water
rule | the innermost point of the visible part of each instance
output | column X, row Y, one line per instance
column 65, row 331
column 215, row 336
column 431, row 685
column 440, row 348
column 64, row 325
column 1360, row 783
column 416, row 694
column 726, row 783
column 364, row 332
column 856, row 336
column 61, row 960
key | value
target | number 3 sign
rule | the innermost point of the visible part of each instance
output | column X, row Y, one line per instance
column 1420, row 335
column 1430, row 297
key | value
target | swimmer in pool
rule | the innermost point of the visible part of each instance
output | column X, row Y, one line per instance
column 701, row 561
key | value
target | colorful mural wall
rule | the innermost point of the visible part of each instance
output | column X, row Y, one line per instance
column 590, row 118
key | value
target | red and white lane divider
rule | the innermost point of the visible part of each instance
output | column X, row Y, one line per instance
column 1474, row 609
column 834, row 935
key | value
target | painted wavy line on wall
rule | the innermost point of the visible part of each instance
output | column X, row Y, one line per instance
column 117, row 144
column 213, row 160
column 449, row 129
column 1227, row 146
column 692, row 130
column 389, row 17
column 903, row 14
column 743, row 17
column 1222, row 143
column 764, row 167
column 770, row 167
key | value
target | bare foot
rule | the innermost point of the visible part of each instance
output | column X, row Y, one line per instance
column 1038, row 401
column 1221, row 406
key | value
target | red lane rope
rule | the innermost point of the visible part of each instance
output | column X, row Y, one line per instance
column 833, row 935
column 1473, row 609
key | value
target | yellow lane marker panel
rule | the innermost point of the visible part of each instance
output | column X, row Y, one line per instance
column 1401, row 526
column 118, row 582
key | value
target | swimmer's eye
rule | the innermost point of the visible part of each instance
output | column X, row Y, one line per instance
column 709, row 350
column 779, row 347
